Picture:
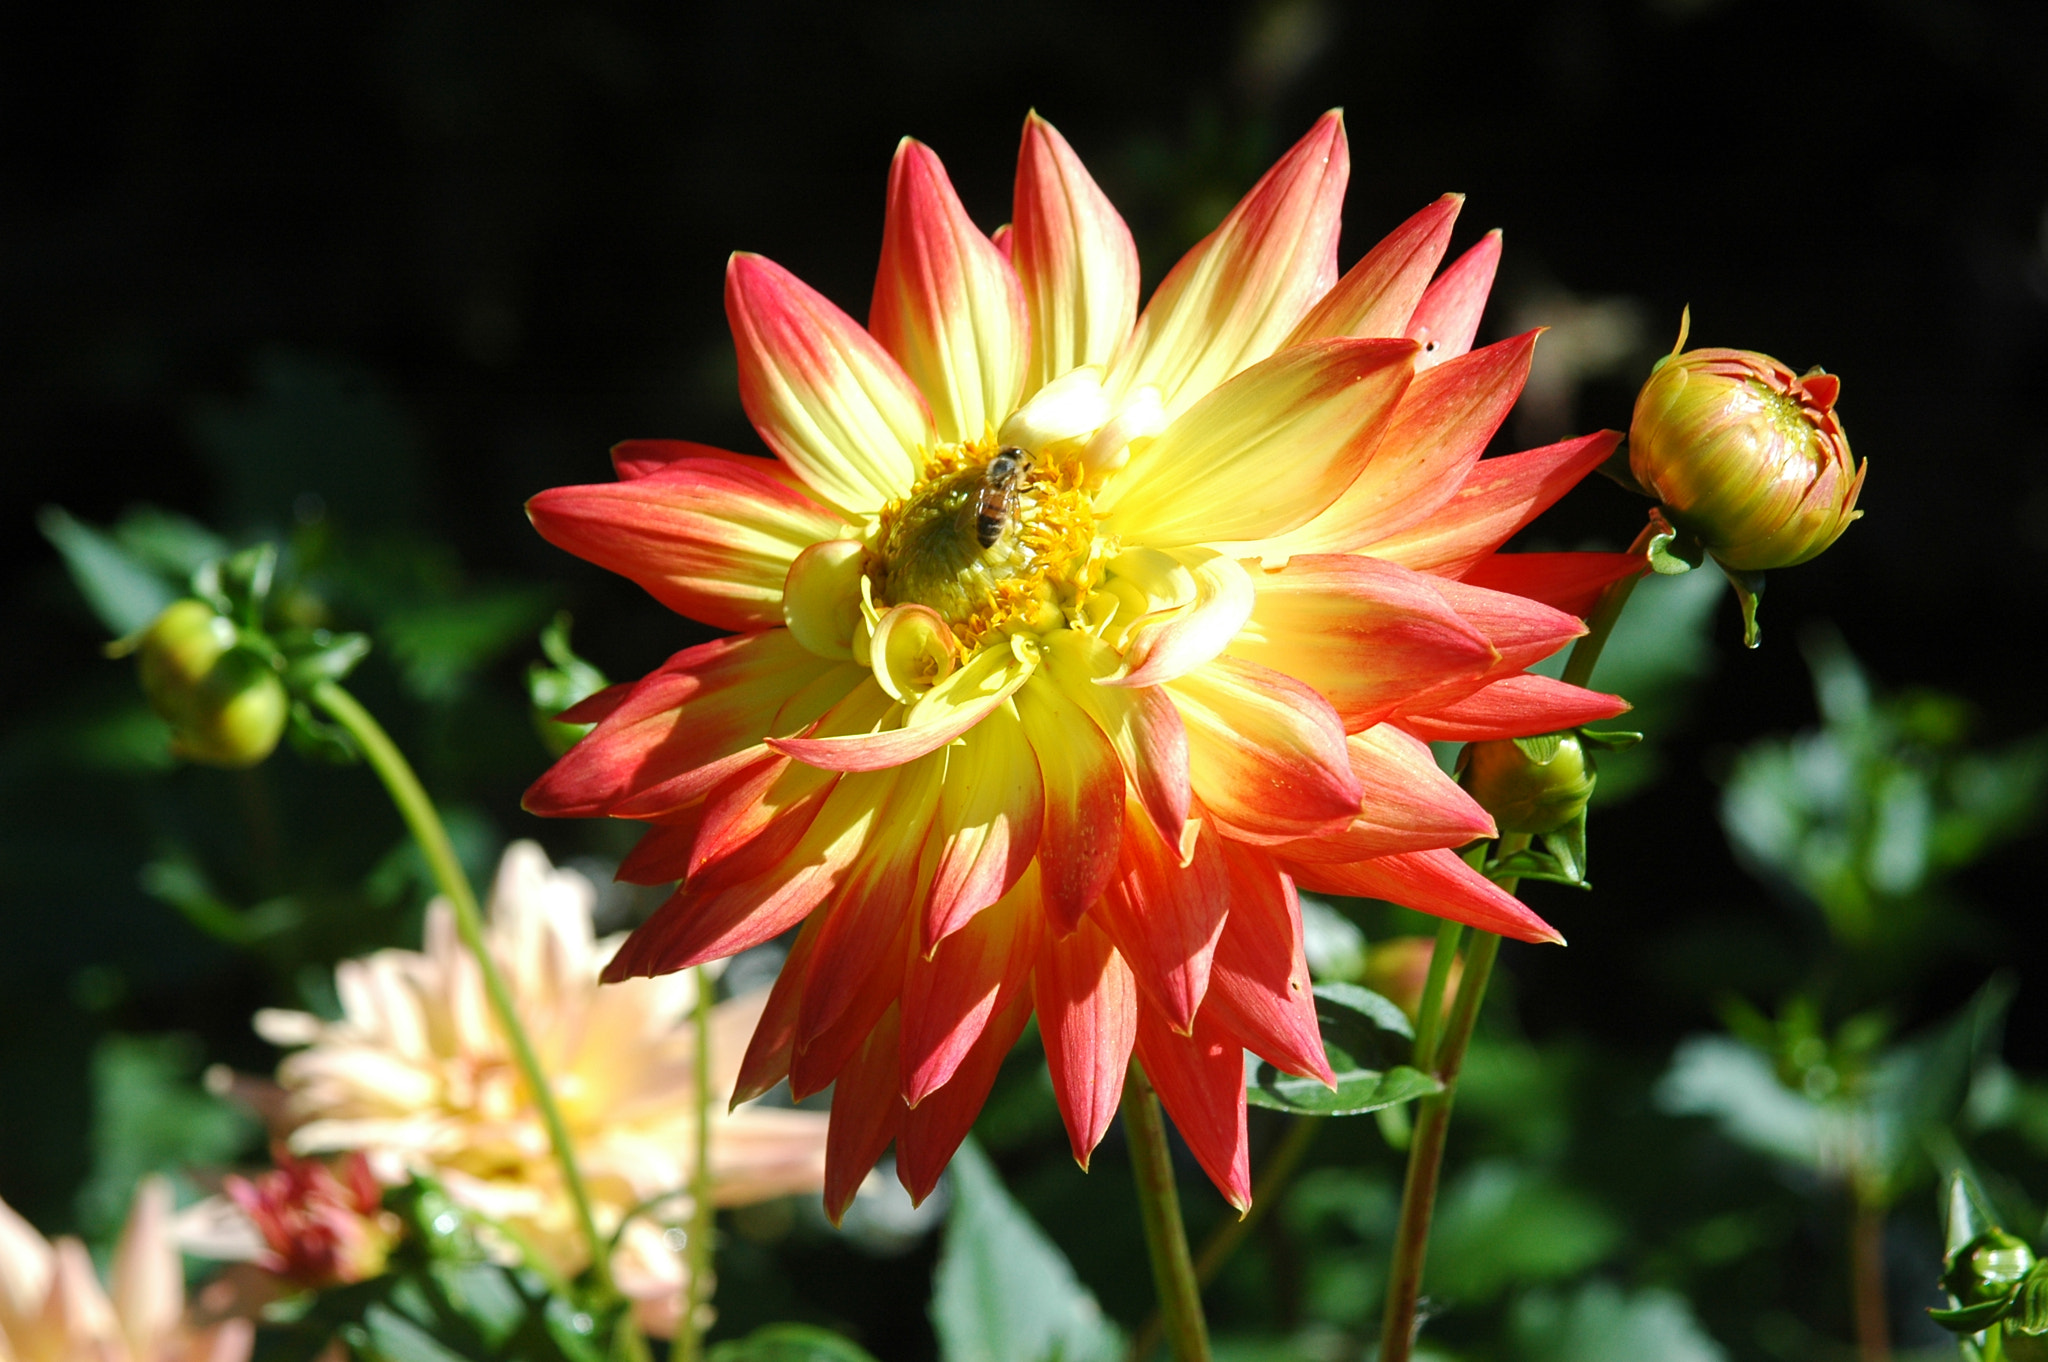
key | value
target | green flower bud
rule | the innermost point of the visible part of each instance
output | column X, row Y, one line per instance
column 225, row 703
column 1529, row 785
column 1746, row 456
column 1988, row 1268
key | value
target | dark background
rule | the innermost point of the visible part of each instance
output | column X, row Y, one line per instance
column 384, row 269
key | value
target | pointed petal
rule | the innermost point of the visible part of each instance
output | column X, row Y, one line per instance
column 1083, row 801
column 946, row 711
column 1186, row 637
column 933, row 1129
column 1264, row 453
column 1377, row 296
column 1200, row 1080
column 1498, row 497
column 755, row 819
column 1074, row 256
column 1571, row 582
column 1447, row 318
column 662, row 855
column 1444, row 423
column 1233, row 298
column 970, row 977
column 1087, row 1003
column 1259, row 987
column 866, row 935
column 638, row 458
column 592, row 709
column 1366, row 635
column 1522, row 631
column 1409, row 804
column 698, row 924
column 1435, row 882
column 1514, row 707
column 866, row 1115
column 1266, row 753
column 1164, row 918
column 990, row 814
column 685, row 726
column 947, row 304
column 828, row 400
column 1142, row 725
column 710, row 539
column 766, row 1061
column 148, row 1280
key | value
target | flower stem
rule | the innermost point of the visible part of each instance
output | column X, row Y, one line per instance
column 1866, row 1253
column 427, row 830
column 689, row 1340
column 1429, row 1012
column 1166, row 1240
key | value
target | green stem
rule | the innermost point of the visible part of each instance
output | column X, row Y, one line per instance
column 425, row 823
column 1166, row 1240
column 1429, row 1012
column 689, row 1341
column 1270, row 1181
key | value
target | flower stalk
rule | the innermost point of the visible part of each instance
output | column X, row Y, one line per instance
column 424, row 822
column 1446, row 1058
column 689, row 1340
column 1166, row 1240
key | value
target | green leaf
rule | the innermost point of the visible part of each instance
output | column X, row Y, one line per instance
column 562, row 682
column 1540, row 749
column 1721, row 1077
column 167, row 542
column 121, row 588
column 1971, row 1319
column 1367, row 1039
column 1675, row 553
column 790, row 1343
column 316, row 655
column 1599, row 1324
column 1749, row 590
column 1002, row 1291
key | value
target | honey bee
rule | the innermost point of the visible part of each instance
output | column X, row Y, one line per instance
column 996, row 502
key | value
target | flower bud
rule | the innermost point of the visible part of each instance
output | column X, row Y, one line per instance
column 1529, row 785
column 1988, row 1268
column 1746, row 456
column 225, row 704
column 1398, row 970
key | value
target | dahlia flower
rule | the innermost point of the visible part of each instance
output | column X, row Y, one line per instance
column 417, row 1076
column 53, row 1308
column 1068, row 639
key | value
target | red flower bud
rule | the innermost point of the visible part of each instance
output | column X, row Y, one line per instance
column 1747, row 456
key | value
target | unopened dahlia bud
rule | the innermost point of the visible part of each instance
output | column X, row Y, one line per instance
column 1529, row 785
column 1746, row 456
column 225, row 704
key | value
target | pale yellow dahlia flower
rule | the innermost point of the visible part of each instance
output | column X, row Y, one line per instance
column 53, row 1308
column 418, row 1076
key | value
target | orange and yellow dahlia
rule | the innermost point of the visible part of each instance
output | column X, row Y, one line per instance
column 1068, row 639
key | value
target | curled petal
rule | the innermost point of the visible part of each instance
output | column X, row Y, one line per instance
column 1259, row 986
column 827, row 399
column 1266, row 753
column 1232, row 299
column 732, row 690
column 1409, row 803
column 1444, row 423
column 1200, row 1080
column 1074, row 255
column 947, row 304
column 990, row 814
column 970, row 977
column 957, row 703
column 1083, row 801
column 821, row 596
column 711, row 539
column 1087, row 1001
column 1571, row 582
column 1497, row 498
column 1264, row 453
column 1435, row 882
column 867, row 1113
column 1514, row 707
column 1164, row 917
column 1160, row 649
column 933, row 1129
column 1447, row 318
column 912, row 650
column 1142, row 725
column 1365, row 635
column 1377, row 296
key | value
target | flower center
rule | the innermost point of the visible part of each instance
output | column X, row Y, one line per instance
column 990, row 538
